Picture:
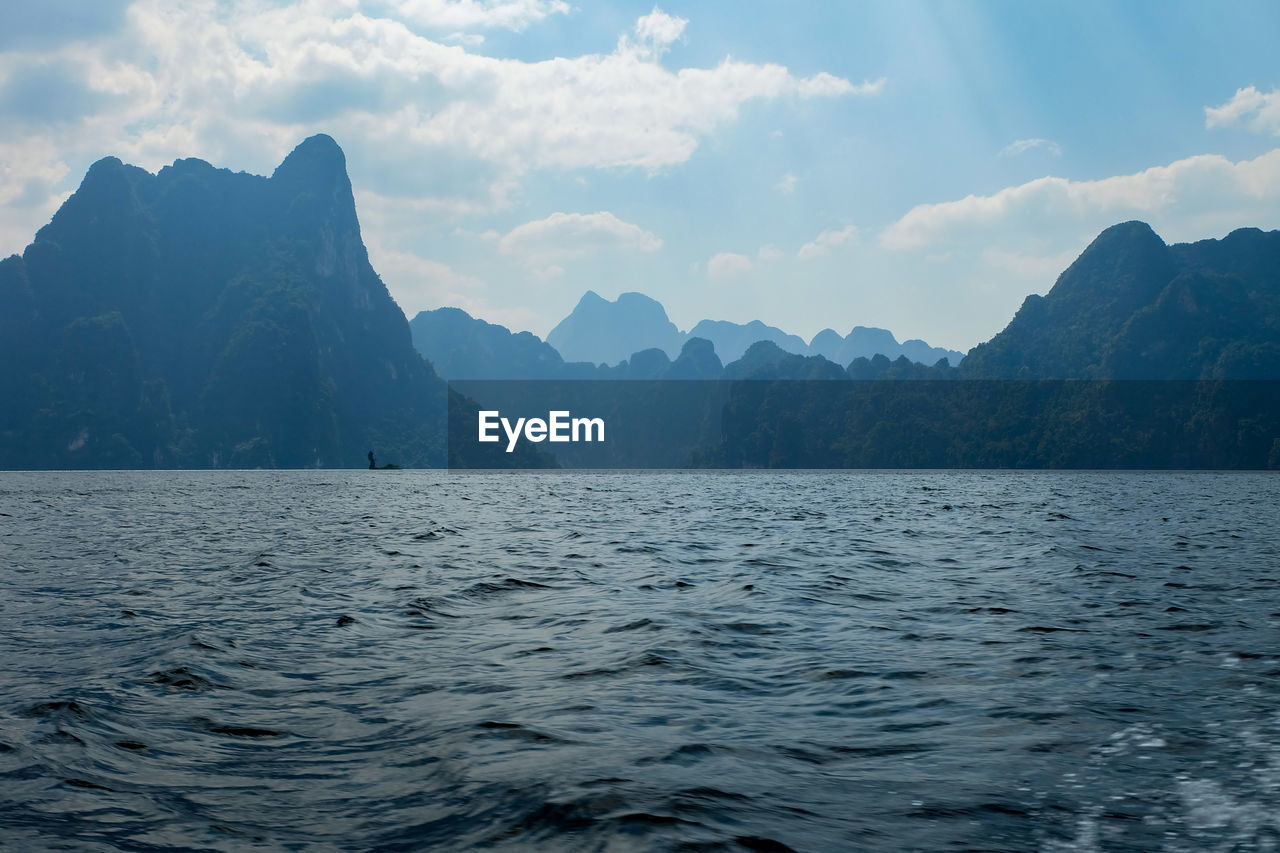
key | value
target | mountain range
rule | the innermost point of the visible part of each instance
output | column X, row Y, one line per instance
column 1142, row 355
column 604, row 338
column 464, row 347
column 605, row 332
column 202, row 318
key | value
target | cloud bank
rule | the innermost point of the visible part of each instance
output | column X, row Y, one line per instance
column 1248, row 108
column 563, row 236
column 1186, row 199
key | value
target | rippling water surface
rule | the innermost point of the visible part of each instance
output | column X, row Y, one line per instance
column 615, row 661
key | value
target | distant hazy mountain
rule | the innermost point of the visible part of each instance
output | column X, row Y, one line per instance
column 202, row 318
column 616, row 340
column 1131, row 307
column 867, row 342
column 605, row 332
column 732, row 340
column 698, row 360
column 766, row 360
column 460, row 346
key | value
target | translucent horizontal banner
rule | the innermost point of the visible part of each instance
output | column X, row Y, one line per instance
column 865, row 424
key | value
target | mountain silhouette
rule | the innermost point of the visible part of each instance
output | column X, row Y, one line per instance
column 602, row 332
column 1132, row 307
column 203, row 318
column 605, row 332
column 868, row 342
column 698, row 360
column 732, row 340
column 767, row 360
column 460, row 346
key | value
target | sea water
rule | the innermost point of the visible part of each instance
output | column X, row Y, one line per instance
column 621, row 661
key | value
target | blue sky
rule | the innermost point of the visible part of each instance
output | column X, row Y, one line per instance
column 920, row 166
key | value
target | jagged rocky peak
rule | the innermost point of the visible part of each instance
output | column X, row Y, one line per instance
column 698, row 360
column 1133, row 232
column 237, row 314
column 641, row 307
column 826, row 343
column 313, row 184
column 601, row 331
column 1129, row 255
column 1132, row 307
column 107, row 191
column 632, row 297
column 106, row 169
column 732, row 340
column 463, row 347
column 872, row 337
column 318, row 160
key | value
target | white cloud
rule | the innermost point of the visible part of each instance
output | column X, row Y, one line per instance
column 769, row 253
column 1258, row 111
column 513, row 15
column 242, row 80
column 564, row 236
column 826, row 241
column 787, row 184
column 655, row 33
column 436, row 134
column 1021, row 146
column 727, row 264
column 1187, row 199
column 824, row 85
column 432, row 130
column 603, row 111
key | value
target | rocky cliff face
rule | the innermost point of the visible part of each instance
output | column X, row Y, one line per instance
column 235, row 320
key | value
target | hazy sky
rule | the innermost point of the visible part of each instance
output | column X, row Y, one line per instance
column 920, row 166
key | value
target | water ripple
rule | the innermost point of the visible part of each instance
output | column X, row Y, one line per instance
column 617, row 661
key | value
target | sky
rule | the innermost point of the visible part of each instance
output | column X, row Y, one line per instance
column 918, row 166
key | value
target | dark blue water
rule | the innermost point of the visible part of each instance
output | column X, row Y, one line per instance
column 763, row 661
